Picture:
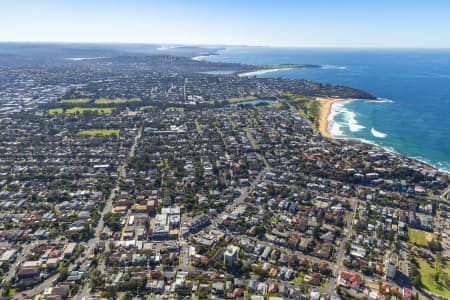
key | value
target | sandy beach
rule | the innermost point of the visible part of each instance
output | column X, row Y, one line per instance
column 325, row 110
column 262, row 71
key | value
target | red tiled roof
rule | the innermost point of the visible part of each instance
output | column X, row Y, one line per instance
column 351, row 279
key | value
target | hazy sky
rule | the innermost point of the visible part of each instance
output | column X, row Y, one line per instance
column 332, row 23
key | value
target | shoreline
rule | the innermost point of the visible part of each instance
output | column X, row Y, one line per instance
column 326, row 105
column 391, row 150
column 261, row 71
column 326, row 108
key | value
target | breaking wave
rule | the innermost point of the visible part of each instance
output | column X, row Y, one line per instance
column 200, row 57
column 352, row 123
column 348, row 120
column 333, row 67
column 166, row 47
column 378, row 134
column 334, row 127
column 84, row 58
column 384, row 100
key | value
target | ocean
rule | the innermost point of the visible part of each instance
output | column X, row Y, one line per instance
column 414, row 119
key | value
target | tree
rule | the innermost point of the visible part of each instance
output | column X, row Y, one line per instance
column 259, row 230
column 229, row 277
column 63, row 273
column 366, row 270
column 113, row 221
column 96, row 278
column 260, row 271
column 237, row 264
column 434, row 245
column 244, row 268
column 416, row 279
column 110, row 292
column 348, row 247
column 201, row 249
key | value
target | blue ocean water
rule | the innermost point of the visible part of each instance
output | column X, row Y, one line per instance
column 417, row 120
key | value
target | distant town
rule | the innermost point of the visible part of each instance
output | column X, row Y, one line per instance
column 159, row 176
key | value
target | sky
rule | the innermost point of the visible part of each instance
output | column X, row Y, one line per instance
column 299, row 23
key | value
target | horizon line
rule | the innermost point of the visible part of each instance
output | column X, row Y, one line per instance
column 177, row 44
